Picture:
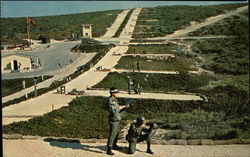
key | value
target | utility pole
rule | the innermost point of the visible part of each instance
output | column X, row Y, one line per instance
column 28, row 31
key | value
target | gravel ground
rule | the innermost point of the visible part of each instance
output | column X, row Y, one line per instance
column 39, row 148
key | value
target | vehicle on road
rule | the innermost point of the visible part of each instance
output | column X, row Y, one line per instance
column 76, row 92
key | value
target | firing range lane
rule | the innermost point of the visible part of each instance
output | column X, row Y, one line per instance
column 58, row 53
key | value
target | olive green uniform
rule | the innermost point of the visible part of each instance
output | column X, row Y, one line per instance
column 114, row 121
column 135, row 136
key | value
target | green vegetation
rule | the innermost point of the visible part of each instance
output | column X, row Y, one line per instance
column 122, row 26
column 57, row 27
column 86, row 117
column 81, row 119
column 14, row 85
column 156, row 82
column 163, row 20
column 80, row 70
column 176, row 63
column 235, row 26
column 154, row 49
column 88, row 48
column 229, row 56
column 238, row 81
column 225, row 55
column 146, row 40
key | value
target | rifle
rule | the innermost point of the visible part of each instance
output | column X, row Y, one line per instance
column 157, row 125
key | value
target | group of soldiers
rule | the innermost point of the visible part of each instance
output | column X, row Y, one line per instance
column 138, row 131
column 136, row 65
column 137, row 88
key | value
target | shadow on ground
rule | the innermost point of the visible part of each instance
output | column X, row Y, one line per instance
column 100, row 149
column 75, row 144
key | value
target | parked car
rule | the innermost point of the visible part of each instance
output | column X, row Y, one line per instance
column 76, row 92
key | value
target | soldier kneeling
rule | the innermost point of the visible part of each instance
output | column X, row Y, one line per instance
column 135, row 135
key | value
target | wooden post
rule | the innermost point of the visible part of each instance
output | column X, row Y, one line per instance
column 24, row 84
column 52, row 107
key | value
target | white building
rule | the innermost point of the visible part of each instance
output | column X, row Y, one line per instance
column 18, row 61
column 87, row 30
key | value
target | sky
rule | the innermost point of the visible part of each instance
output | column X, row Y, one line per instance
column 48, row 8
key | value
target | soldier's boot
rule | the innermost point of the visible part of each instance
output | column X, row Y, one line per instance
column 109, row 151
column 149, row 149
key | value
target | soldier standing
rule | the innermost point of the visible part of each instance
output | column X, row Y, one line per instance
column 130, row 84
column 134, row 64
column 138, row 65
column 135, row 135
column 138, row 88
column 114, row 119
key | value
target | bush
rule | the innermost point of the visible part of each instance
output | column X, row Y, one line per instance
column 87, row 117
column 156, row 82
column 170, row 64
column 12, row 86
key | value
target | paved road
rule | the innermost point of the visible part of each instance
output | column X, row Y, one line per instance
column 42, row 104
column 114, row 27
column 49, row 57
column 40, row 148
column 64, row 72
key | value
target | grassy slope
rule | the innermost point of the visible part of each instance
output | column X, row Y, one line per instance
column 171, row 18
column 154, row 49
column 228, row 57
column 86, row 117
column 155, row 82
column 225, row 114
column 173, row 64
column 13, row 85
column 60, row 26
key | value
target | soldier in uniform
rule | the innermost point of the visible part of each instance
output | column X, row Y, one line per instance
column 130, row 84
column 138, row 65
column 114, row 119
column 135, row 134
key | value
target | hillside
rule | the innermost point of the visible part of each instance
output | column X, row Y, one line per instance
column 222, row 83
column 163, row 20
column 57, row 27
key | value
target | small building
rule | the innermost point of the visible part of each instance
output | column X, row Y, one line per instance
column 87, row 30
column 18, row 61
column 4, row 47
column 44, row 38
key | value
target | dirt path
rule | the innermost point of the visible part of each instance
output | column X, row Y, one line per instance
column 146, row 95
column 152, row 71
column 43, row 104
column 64, row 72
column 114, row 27
column 208, row 21
column 39, row 148
column 69, row 69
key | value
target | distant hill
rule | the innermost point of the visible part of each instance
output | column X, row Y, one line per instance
column 163, row 20
column 57, row 27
